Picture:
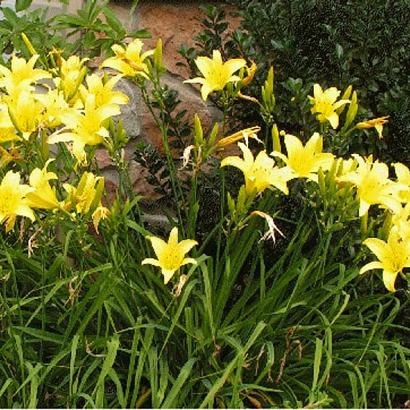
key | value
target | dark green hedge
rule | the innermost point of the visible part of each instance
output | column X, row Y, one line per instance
column 365, row 43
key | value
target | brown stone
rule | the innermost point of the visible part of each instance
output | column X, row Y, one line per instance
column 176, row 23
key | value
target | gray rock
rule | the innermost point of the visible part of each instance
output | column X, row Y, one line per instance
column 129, row 112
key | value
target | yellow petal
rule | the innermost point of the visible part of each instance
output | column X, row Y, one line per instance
column 196, row 80
column 158, row 245
column 61, row 137
column 378, row 247
column 24, row 210
column 370, row 266
column 317, row 91
column 402, row 173
column 150, row 261
column 186, row 245
column 293, row 145
column 389, row 278
column 332, row 94
column 173, row 237
column 340, row 103
column 234, row 162
column 204, row 65
column 334, row 120
column 119, row 65
column 235, row 64
column 205, row 91
column 168, row 274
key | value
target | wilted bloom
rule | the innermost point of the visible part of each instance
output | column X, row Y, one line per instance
column 305, row 161
column 376, row 123
column 393, row 256
column 103, row 91
column 85, row 127
column 260, row 172
column 100, row 213
column 21, row 75
column 129, row 61
column 216, row 73
column 7, row 156
column 325, row 104
column 244, row 134
column 171, row 254
column 272, row 228
column 13, row 200
column 43, row 195
column 373, row 185
column 25, row 112
column 250, row 73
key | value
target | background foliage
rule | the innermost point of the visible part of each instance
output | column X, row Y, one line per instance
column 363, row 43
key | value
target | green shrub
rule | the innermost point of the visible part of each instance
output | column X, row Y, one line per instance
column 363, row 43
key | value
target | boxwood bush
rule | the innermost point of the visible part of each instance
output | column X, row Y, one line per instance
column 363, row 43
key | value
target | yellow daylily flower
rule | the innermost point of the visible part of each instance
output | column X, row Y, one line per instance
column 86, row 197
column 71, row 74
column 393, row 256
column 21, row 75
column 25, row 112
column 373, row 185
column 403, row 180
column 305, row 161
column 376, row 123
column 325, row 104
column 129, row 61
column 401, row 225
column 85, row 127
column 103, row 91
column 55, row 106
column 13, row 200
column 43, row 195
column 260, row 173
column 216, row 73
column 171, row 254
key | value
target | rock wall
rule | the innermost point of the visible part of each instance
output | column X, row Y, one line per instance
column 176, row 23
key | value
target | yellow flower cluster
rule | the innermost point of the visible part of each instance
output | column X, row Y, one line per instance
column 374, row 187
column 17, row 199
column 64, row 108
column 40, row 107
column 369, row 179
column 302, row 161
